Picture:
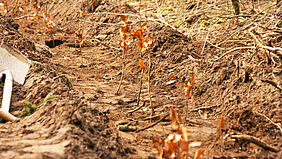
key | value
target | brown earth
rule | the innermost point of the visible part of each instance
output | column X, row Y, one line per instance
column 83, row 120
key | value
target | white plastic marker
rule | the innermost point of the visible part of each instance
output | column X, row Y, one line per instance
column 13, row 66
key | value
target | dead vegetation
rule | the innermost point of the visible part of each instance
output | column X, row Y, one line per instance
column 215, row 63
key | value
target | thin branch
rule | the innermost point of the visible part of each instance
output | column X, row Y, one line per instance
column 272, row 122
column 229, row 17
column 153, row 124
column 260, row 43
column 272, row 83
column 256, row 141
column 140, row 89
column 205, row 42
column 149, row 83
column 122, row 72
column 152, row 117
column 272, row 48
column 134, row 110
column 232, row 50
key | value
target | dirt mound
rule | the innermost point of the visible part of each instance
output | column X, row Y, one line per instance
column 237, row 78
column 66, row 124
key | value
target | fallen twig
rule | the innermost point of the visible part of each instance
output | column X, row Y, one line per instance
column 152, row 117
column 272, row 83
column 153, row 124
column 139, row 92
column 229, row 17
column 134, row 110
column 256, row 141
column 237, row 48
column 149, row 83
column 272, row 122
column 259, row 43
column 122, row 73
column 205, row 42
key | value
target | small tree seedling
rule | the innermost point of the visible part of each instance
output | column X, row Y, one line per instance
column 29, row 108
column 188, row 92
column 124, row 43
column 80, row 40
column 177, row 144
column 143, row 46
column 139, row 33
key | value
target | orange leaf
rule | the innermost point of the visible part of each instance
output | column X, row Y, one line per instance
column 136, row 34
column 199, row 153
column 143, row 25
column 173, row 77
column 192, row 80
column 186, row 89
column 148, row 42
column 143, row 28
column 82, row 13
column 142, row 65
column 172, row 116
column 190, row 94
column 123, row 18
column 128, row 22
column 77, row 41
column 22, row 8
column 124, row 29
column 125, row 44
column 140, row 31
column 31, row 18
column 221, row 122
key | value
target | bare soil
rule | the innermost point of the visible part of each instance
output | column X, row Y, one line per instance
column 83, row 120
